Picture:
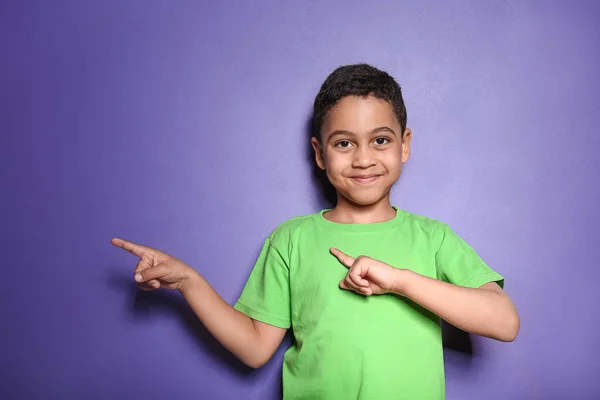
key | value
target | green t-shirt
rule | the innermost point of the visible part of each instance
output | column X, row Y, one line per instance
column 348, row 346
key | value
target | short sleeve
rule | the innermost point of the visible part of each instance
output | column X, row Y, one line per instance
column 266, row 296
column 459, row 264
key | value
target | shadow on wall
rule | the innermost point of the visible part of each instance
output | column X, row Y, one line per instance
column 148, row 305
column 328, row 197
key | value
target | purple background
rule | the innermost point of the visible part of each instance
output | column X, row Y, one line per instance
column 182, row 125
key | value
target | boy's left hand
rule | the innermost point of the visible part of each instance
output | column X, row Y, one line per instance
column 366, row 275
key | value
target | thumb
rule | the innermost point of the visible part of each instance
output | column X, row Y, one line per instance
column 150, row 274
column 342, row 257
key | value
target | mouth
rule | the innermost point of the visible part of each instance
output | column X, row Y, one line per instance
column 365, row 178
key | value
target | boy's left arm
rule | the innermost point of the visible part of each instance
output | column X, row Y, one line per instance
column 486, row 310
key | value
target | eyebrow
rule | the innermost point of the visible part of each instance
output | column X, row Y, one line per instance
column 350, row 133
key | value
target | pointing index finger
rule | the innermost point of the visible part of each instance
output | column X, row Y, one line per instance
column 133, row 248
column 343, row 257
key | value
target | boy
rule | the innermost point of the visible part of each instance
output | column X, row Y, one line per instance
column 362, row 286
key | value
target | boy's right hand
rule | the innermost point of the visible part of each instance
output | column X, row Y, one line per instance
column 155, row 268
column 253, row 342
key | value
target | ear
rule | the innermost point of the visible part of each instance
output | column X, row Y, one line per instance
column 316, row 144
column 406, row 145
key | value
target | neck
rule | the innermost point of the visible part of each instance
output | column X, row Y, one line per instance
column 347, row 212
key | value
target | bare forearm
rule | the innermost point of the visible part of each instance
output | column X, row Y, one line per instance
column 233, row 329
column 478, row 311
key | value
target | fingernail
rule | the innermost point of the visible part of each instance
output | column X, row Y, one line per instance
column 138, row 277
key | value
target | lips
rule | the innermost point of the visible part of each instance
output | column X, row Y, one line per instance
column 365, row 178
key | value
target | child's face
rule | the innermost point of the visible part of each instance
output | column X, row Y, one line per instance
column 362, row 149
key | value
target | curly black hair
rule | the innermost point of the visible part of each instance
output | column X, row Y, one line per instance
column 360, row 80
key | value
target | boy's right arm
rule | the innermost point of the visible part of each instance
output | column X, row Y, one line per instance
column 253, row 342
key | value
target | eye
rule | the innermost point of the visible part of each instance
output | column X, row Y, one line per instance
column 343, row 144
column 382, row 140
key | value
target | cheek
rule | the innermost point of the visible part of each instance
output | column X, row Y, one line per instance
column 336, row 168
column 393, row 160
column 393, row 166
column 336, row 163
column 397, row 168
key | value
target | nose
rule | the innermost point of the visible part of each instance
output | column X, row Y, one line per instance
column 363, row 157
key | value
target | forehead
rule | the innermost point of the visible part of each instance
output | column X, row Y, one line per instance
column 359, row 115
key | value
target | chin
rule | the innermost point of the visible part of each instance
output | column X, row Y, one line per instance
column 365, row 200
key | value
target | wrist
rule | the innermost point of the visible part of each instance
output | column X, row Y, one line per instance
column 189, row 282
column 401, row 281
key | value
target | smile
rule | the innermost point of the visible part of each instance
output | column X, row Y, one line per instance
column 365, row 178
